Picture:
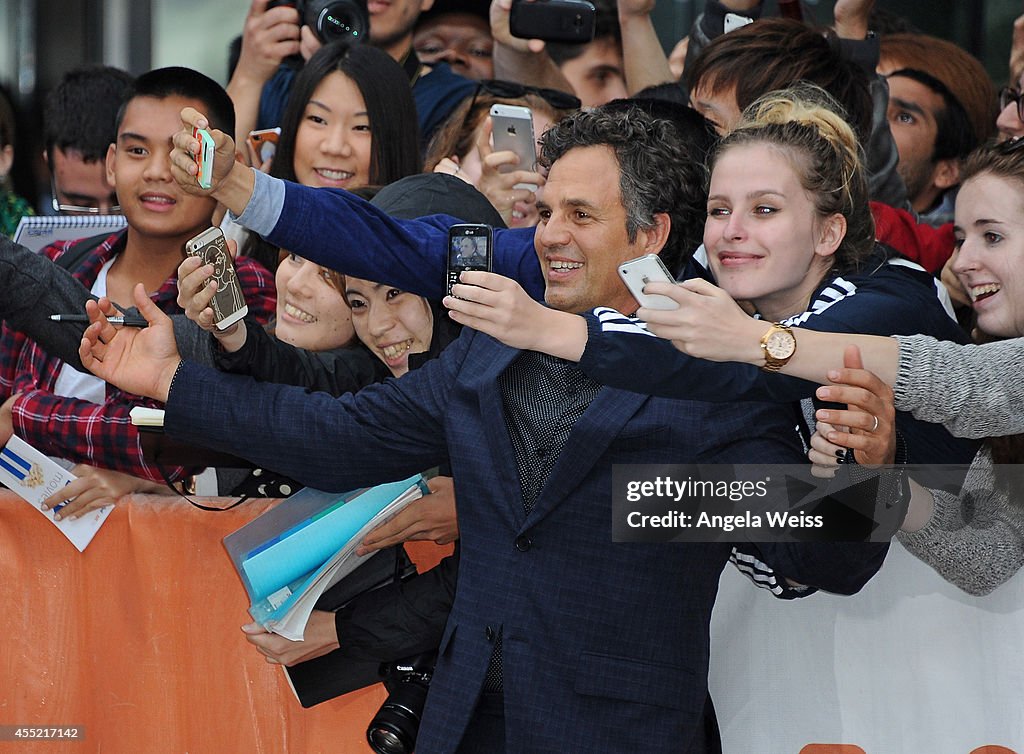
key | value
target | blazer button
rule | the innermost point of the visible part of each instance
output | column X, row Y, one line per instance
column 489, row 633
column 523, row 543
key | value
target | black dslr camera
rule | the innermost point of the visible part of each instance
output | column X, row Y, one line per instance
column 393, row 729
column 332, row 20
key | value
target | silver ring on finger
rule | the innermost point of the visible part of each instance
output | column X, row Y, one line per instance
column 875, row 426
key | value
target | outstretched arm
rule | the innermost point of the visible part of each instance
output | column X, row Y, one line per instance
column 138, row 360
column 32, row 288
column 642, row 55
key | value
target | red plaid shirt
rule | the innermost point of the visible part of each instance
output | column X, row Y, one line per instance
column 85, row 432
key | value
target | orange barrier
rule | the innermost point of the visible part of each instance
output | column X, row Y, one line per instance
column 138, row 639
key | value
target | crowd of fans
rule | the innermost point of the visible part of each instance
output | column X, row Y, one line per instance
column 813, row 188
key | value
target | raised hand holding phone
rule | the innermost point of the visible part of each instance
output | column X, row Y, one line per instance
column 231, row 182
column 204, row 157
column 707, row 324
column 228, row 302
column 512, row 128
column 263, row 146
column 469, row 248
column 499, row 307
column 638, row 273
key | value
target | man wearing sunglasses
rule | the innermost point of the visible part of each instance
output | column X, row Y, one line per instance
column 80, row 121
column 1010, row 122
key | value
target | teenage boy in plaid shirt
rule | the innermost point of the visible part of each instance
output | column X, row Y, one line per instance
column 63, row 412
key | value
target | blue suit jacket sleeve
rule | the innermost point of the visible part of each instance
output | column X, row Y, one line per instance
column 338, row 229
column 382, row 433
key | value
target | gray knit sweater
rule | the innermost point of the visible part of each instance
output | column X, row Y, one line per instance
column 976, row 391
column 975, row 539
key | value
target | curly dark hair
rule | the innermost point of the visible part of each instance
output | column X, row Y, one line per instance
column 661, row 159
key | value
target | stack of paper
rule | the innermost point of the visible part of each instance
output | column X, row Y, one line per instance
column 293, row 553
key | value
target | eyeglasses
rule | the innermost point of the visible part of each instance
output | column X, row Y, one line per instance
column 113, row 209
column 1008, row 95
column 1009, row 146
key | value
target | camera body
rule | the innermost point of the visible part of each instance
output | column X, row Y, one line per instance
column 332, row 20
column 569, row 21
column 393, row 729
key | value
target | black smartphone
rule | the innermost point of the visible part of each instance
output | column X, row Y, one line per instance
column 469, row 248
column 553, row 20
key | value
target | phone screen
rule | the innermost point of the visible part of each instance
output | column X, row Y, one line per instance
column 469, row 248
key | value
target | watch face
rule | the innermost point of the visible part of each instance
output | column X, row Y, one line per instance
column 780, row 344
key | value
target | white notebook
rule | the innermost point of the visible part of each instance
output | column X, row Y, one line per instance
column 38, row 232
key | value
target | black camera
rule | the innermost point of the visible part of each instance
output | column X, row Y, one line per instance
column 332, row 20
column 393, row 729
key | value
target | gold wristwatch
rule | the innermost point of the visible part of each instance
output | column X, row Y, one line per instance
column 779, row 345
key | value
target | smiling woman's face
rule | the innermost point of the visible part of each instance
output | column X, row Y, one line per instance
column 990, row 258
column 311, row 312
column 332, row 143
column 390, row 322
column 764, row 240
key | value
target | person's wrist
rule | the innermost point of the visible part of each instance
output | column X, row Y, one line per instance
column 752, row 352
column 166, row 381
column 628, row 16
column 236, row 189
column 248, row 79
column 232, row 339
column 562, row 335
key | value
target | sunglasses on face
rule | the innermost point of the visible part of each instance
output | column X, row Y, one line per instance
column 1006, row 96
column 511, row 90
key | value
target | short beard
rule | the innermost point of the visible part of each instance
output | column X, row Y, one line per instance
column 394, row 37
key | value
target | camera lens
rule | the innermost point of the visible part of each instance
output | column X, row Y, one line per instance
column 338, row 19
column 394, row 728
column 386, row 741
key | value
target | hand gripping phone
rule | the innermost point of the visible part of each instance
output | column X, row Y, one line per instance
column 636, row 273
column 205, row 157
column 512, row 129
column 553, row 20
column 228, row 303
column 469, row 248
column 264, row 142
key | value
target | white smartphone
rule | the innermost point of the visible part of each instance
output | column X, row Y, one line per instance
column 636, row 273
column 228, row 303
column 512, row 129
column 735, row 21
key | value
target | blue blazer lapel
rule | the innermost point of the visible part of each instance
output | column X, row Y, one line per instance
column 592, row 434
column 494, row 358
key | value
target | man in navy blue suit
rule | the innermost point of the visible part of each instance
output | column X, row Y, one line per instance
column 558, row 639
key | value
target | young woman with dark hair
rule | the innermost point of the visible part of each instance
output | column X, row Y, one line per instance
column 350, row 121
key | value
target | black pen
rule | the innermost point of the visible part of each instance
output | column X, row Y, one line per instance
column 129, row 321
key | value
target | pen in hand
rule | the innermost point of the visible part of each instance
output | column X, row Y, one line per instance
column 126, row 321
